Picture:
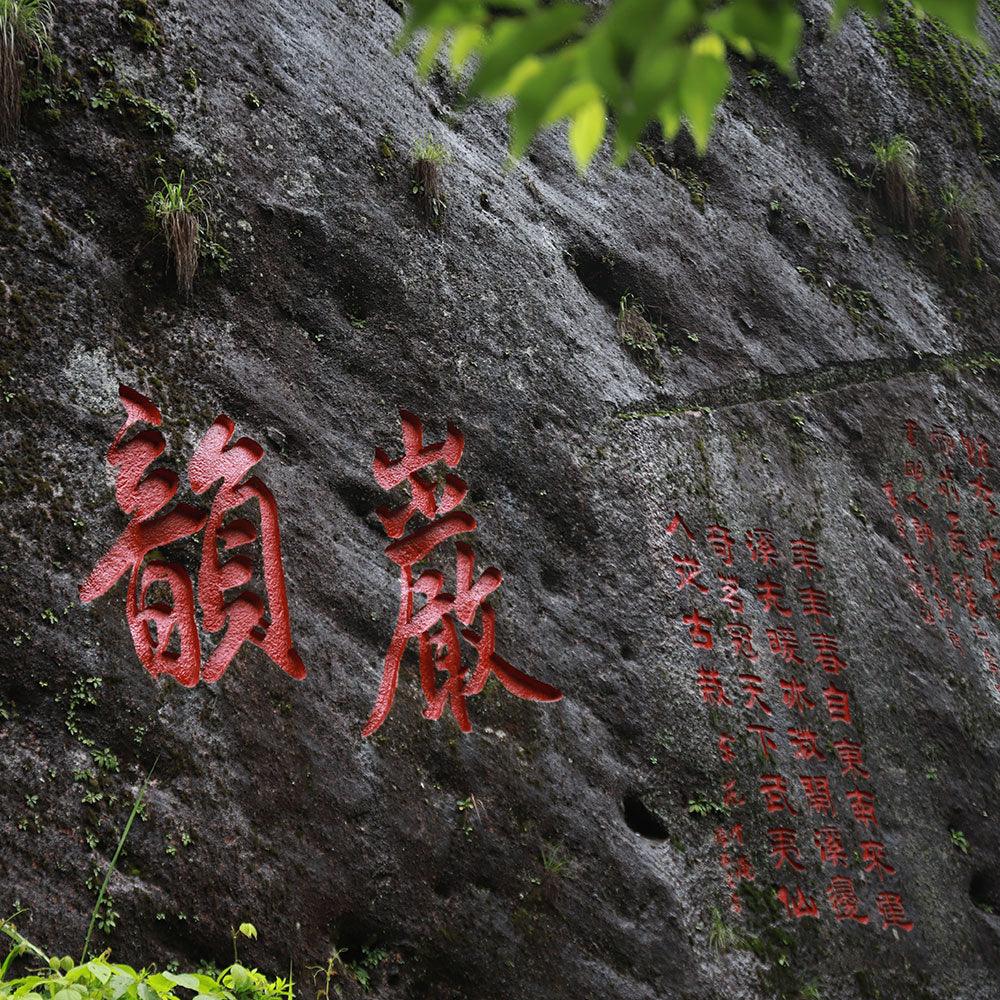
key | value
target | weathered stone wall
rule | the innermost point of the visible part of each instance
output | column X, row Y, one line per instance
column 801, row 332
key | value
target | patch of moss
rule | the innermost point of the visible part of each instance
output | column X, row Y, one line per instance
column 128, row 103
column 140, row 19
column 947, row 71
column 56, row 230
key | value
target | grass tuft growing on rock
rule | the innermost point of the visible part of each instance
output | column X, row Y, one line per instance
column 429, row 159
column 25, row 29
column 179, row 209
column 896, row 170
column 639, row 335
column 957, row 220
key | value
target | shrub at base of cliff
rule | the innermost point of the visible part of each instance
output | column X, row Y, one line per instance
column 896, row 170
column 25, row 27
column 180, row 211
column 429, row 158
column 99, row 979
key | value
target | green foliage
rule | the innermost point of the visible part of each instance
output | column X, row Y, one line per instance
column 26, row 24
column 702, row 805
column 100, row 979
column 428, row 159
column 721, row 937
column 897, row 152
column 103, row 915
column 944, row 68
column 960, row 841
column 174, row 197
column 141, row 109
column 555, row 859
column 636, row 62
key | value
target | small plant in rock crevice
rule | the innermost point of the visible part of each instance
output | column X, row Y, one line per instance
column 25, row 30
column 180, row 210
column 956, row 218
column 639, row 335
column 896, row 171
column 429, row 159
column 721, row 937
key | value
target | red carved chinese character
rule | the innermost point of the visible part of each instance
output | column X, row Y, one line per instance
column 912, row 469
column 710, row 685
column 827, row 652
column 942, row 440
column 984, row 493
column 917, row 500
column 863, row 806
column 721, row 542
column 793, row 694
column 799, row 905
column 900, row 522
column 678, row 522
column 433, row 624
column 688, row 569
column 700, row 628
column 911, row 429
column 731, row 593
column 760, row 545
column 889, row 489
column 815, row 603
column 890, row 909
column 804, row 743
column 849, row 755
column 770, row 595
column 844, row 900
column 977, row 451
column 805, row 557
column 764, row 734
column 774, row 790
column 837, row 705
column 956, row 537
column 726, row 751
column 946, row 484
column 731, row 798
column 873, row 858
column 965, row 594
column 991, row 547
column 784, row 643
column 215, row 461
column 817, row 791
column 830, row 844
column 753, row 687
column 784, row 848
column 922, row 531
column 741, row 640
column 954, row 638
column 921, row 594
column 143, row 497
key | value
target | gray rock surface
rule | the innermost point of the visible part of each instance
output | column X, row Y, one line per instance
column 801, row 332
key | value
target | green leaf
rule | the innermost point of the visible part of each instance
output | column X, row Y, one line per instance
column 465, row 41
column 429, row 51
column 189, row 982
column 959, row 15
column 703, row 85
column 536, row 96
column 515, row 39
column 586, row 131
column 248, row 931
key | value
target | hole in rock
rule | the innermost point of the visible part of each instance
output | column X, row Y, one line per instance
column 642, row 820
column 984, row 891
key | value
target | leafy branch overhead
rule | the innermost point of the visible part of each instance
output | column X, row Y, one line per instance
column 635, row 63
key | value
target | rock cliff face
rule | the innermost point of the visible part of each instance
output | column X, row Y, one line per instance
column 778, row 335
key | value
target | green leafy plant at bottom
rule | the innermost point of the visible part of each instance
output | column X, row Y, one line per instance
column 102, row 979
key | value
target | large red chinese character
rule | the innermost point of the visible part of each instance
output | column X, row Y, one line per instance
column 849, row 755
column 977, row 451
column 710, row 685
column 731, row 593
column 433, row 624
column 837, row 705
column 760, row 545
column 815, row 603
column 700, row 629
column 741, row 640
column 753, row 687
column 688, row 569
column 144, row 497
column 827, row 652
column 765, row 735
column 793, row 694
